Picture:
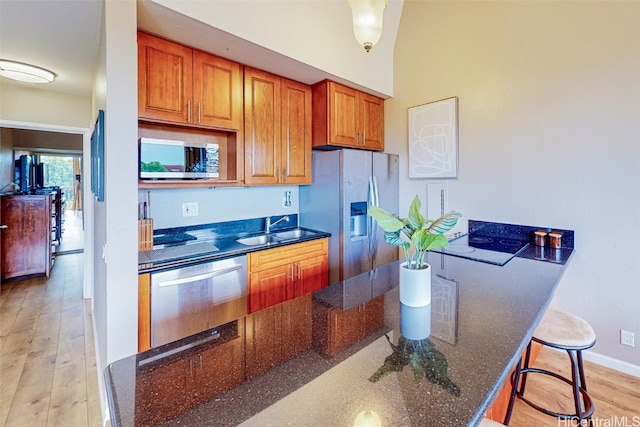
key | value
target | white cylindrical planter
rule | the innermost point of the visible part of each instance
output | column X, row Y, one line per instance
column 415, row 286
column 415, row 322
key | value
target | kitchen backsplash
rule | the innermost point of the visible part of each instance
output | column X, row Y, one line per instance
column 217, row 204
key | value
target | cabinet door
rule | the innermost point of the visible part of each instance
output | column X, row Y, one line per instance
column 312, row 275
column 262, row 113
column 165, row 77
column 270, row 287
column 26, row 242
column 343, row 115
column 371, row 121
column 144, row 312
column 296, row 132
column 217, row 92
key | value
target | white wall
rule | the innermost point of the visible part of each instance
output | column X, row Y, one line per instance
column 115, row 228
column 24, row 104
column 549, row 102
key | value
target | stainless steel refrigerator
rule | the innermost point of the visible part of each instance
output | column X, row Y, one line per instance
column 345, row 183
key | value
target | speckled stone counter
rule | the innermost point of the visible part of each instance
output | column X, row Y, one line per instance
column 441, row 365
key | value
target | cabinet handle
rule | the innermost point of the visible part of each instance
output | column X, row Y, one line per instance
column 190, row 366
column 200, row 356
column 199, row 114
column 3, row 227
column 299, row 272
column 189, row 111
column 364, row 138
column 278, row 175
column 292, row 273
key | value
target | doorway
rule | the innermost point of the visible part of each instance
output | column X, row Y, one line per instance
column 65, row 171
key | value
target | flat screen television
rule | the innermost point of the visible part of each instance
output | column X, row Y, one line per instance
column 42, row 175
column 24, row 173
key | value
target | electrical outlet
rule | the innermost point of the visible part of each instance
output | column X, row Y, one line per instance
column 286, row 200
column 189, row 209
column 627, row 338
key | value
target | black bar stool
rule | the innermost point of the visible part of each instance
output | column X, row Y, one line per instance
column 564, row 331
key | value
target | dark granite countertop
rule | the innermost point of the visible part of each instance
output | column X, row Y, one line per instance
column 179, row 246
column 480, row 319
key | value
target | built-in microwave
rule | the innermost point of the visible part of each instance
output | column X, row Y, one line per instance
column 172, row 159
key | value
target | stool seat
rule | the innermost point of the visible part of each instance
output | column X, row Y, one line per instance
column 486, row 422
column 564, row 330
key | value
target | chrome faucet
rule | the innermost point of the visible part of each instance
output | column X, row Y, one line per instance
column 268, row 224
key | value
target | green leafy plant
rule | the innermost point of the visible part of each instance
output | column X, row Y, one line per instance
column 416, row 231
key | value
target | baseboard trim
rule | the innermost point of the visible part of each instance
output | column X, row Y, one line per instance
column 612, row 363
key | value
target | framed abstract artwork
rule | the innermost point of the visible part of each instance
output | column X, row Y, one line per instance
column 433, row 140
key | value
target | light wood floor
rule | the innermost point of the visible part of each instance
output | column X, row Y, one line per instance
column 47, row 362
column 48, row 371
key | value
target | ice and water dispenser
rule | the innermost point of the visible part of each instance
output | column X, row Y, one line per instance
column 358, row 223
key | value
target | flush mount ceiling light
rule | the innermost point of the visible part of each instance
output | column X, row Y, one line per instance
column 367, row 21
column 24, row 72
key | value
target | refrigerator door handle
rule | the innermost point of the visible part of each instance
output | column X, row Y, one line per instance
column 371, row 227
column 374, row 237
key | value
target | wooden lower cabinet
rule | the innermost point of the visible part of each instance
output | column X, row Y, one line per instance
column 280, row 274
column 165, row 391
column 144, row 312
column 277, row 334
column 335, row 330
column 27, row 240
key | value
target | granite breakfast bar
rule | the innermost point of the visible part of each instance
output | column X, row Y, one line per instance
column 479, row 321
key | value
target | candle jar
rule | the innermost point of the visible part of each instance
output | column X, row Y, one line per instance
column 540, row 238
column 555, row 240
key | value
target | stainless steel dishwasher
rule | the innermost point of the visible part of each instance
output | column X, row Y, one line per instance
column 192, row 299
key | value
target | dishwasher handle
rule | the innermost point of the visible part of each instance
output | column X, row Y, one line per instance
column 195, row 278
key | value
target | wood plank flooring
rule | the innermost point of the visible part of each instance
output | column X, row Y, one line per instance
column 48, row 372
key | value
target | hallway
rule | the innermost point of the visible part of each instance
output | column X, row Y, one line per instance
column 47, row 361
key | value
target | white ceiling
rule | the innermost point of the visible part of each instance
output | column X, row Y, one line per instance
column 59, row 35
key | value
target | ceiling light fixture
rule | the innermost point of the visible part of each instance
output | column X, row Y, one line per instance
column 367, row 21
column 24, row 72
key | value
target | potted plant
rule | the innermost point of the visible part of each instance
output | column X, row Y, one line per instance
column 416, row 235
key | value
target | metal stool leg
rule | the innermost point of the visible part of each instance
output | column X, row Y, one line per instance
column 575, row 375
column 525, row 368
column 514, row 391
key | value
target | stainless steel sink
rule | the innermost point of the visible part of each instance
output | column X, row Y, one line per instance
column 263, row 239
column 257, row 240
column 293, row 234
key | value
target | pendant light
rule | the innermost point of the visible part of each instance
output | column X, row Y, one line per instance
column 24, row 72
column 367, row 21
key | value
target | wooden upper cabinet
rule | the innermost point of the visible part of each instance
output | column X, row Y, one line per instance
column 262, row 110
column 277, row 124
column 296, row 132
column 372, row 121
column 164, row 79
column 179, row 84
column 346, row 117
column 217, row 91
